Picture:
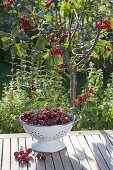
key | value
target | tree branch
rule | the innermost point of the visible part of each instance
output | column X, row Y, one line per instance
column 94, row 44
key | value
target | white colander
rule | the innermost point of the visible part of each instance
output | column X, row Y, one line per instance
column 49, row 138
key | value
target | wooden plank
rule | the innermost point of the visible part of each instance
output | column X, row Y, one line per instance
column 89, row 155
column 98, row 156
column 1, row 152
column 57, row 161
column 80, row 153
column 107, row 144
column 65, row 160
column 40, row 165
column 14, row 148
column 91, row 132
column 104, row 151
column 49, row 162
column 32, row 164
column 14, row 135
column 6, row 155
column 72, row 154
column 110, row 138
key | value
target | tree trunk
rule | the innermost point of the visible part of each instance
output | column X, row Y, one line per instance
column 73, row 80
column 73, row 85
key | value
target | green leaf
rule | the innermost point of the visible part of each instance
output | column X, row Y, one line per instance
column 48, row 17
column 7, row 44
column 4, row 34
column 33, row 37
column 13, row 50
column 27, row 103
column 23, row 37
column 41, row 99
column 14, row 30
column 46, row 55
column 12, row 12
column 19, row 50
column 29, row 7
column 4, row 39
column 42, row 42
column 25, row 88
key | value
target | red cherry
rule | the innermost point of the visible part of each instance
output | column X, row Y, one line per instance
column 81, row 57
column 53, row 53
column 16, row 154
column 83, row 100
column 38, row 155
column 61, row 113
column 103, row 27
column 21, row 152
column 76, row 103
column 62, row 66
column 99, row 25
column 59, row 51
column 27, row 160
column 43, row 157
column 43, row 117
column 29, row 150
column 79, row 97
column 91, row 90
column 41, row 122
column 109, row 27
column 20, row 160
column 51, row 1
column 10, row 3
column 24, row 155
column 108, row 49
column 63, row 35
column 30, row 96
column 47, row 5
column 59, row 122
column 3, row 5
column 33, row 88
column 55, row 39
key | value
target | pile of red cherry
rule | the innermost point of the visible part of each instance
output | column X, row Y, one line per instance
column 25, row 22
column 24, row 156
column 104, row 25
column 56, row 50
column 83, row 98
column 45, row 117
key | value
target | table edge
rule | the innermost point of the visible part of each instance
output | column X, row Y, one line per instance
column 91, row 132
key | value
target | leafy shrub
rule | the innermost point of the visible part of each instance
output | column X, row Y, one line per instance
column 15, row 100
column 99, row 113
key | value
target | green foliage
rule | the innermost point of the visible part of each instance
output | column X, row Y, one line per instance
column 98, row 113
column 15, row 98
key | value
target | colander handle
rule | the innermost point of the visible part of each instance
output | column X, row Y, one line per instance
column 76, row 119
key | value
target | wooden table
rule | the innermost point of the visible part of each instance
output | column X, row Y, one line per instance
column 88, row 150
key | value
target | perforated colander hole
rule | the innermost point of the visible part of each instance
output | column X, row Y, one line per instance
column 42, row 138
column 31, row 133
column 59, row 134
